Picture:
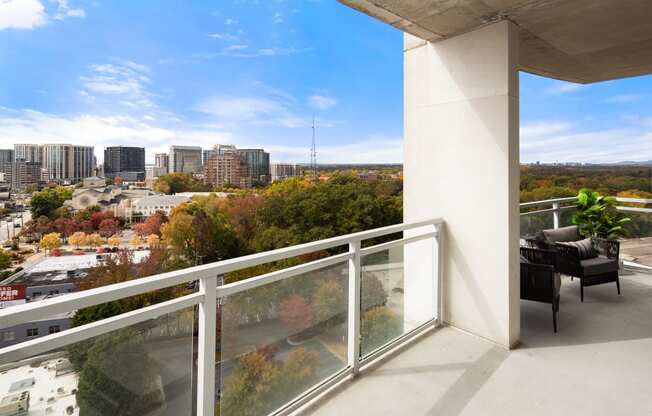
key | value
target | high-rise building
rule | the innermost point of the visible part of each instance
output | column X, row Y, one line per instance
column 19, row 174
column 67, row 162
column 228, row 169
column 6, row 156
column 186, row 159
column 24, row 174
column 28, row 152
column 258, row 164
column 161, row 160
column 125, row 162
column 207, row 154
column 218, row 149
column 280, row 171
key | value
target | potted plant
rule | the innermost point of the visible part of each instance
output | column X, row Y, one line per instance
column 597, row 216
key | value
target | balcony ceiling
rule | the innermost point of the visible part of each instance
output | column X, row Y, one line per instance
column 575, row 40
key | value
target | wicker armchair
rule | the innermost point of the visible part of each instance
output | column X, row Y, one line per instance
column 539, row 281
column 591, row 271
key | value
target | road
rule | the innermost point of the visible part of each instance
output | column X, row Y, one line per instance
column 7, row 227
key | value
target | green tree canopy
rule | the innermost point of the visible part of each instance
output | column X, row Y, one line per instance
column 46, row 202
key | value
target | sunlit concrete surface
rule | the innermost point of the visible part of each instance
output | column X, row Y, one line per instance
column 600, row 363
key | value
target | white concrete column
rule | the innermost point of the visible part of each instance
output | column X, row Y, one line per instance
column 461, row 161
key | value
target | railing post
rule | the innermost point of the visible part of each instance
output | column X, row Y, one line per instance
column 555, row 215
column 206, row 347
column 439, row 283
column 354, row 307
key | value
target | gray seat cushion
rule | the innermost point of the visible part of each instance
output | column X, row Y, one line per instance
column 584, row 248
column 599, row 265
column 563, row 234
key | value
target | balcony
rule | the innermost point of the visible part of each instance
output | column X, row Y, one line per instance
column 357, row 332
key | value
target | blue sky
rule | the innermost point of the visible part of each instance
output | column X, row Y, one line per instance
column 253, row 73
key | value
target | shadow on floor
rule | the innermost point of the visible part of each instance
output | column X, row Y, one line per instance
column 603, row 317
column 460, row 393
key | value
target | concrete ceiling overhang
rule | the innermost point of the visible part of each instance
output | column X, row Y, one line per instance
column 574, row 40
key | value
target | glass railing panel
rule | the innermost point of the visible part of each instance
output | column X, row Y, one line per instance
column 279, row 340
column 533, row 223
column 398, row 292
column 143, row 369
column 637, row 246
column 566, row 217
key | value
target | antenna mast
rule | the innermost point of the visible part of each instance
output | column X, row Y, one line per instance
column 313, row 151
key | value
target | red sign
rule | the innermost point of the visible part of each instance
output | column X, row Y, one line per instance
column 12, row 292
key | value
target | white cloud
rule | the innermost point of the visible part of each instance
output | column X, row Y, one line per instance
column 22, row 14
column 127, row 79
column 232, row 48
column 534, row 130
column 30, row 14
column 237, row 110
column 278, row 18
column 624, row 98
column 322, row 102
column 371, row 150
column 563, row 87
column 560, row 142
column 223, row 36
column 261, row 52
column 28, row 126
column 232, row 108
column 64, row 10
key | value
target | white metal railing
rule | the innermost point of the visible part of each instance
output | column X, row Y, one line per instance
column 556, row 206
column 206, row 299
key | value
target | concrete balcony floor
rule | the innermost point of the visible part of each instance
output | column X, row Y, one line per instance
column 600, row 363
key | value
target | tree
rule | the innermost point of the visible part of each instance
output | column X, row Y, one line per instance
column 135, row 241
column 296, row 313
column 97, row 218
column 108, row 227
column 65, row 226
column 153, row 240
column 372, row 293
column 78, row 239
column 140, row 229
column 114, row 240
column 299, row 372
column 153, row 223
column 378, row 326
column 5, row 260
column 173, row 183
column 118, row 377
column 95, row 240
column 248, row 391
column 329, row 301
column 86, row 226
column 50, row 241
column 46, row 202
column 179, row 234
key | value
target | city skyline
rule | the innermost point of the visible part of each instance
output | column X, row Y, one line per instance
column 253, row 75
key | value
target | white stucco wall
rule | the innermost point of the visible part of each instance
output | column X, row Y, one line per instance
column 461, row 158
